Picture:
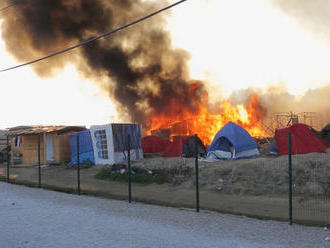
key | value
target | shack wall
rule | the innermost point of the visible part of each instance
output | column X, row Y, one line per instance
column 61, row 147
column 29, row 149
column 64, row 154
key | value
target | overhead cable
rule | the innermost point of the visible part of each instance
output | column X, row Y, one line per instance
column 84, row 43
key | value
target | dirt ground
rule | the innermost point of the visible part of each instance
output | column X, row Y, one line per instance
column 253, row 187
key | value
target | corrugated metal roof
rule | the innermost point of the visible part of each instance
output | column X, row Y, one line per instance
column 26, row 130
column 3, row 132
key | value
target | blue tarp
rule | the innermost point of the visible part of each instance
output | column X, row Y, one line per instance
column 85, row 147
column 232, row 135
column 121, row 132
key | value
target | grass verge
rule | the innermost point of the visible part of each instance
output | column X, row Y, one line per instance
column 106, row 174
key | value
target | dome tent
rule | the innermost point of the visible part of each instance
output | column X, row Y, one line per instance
column 303, row 140
column 232, row 142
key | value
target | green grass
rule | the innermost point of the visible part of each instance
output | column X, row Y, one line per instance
column 136, row 178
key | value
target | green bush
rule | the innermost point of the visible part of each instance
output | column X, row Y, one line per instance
column 106, row 174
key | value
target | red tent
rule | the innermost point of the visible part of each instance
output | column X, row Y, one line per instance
column 303, row 140
column 154, row 144
column 174, row 149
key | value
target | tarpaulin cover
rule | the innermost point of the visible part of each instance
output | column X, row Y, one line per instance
column 175, row 148
column 154, row 144
column 85, row 147
column 189, row 148
column 237, row 136
column 325, row 133
column 303, row 140
column 121, row 132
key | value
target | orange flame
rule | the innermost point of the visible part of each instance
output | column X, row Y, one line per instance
column 180, row 121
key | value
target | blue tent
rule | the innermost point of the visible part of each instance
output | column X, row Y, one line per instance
column 233, row 142
column 86, row 151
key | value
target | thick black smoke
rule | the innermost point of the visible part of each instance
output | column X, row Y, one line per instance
column 141, row 70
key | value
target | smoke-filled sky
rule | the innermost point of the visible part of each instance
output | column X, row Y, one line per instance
column 222, row 46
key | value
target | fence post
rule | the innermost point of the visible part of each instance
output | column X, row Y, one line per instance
column 129, row 169
column 39, row 163
column 8, row 179
column 78, row 165
column 196, row 174
column 290, row 178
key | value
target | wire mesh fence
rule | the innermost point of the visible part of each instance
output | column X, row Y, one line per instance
column 253, row 187
column 311, row 188
column 257, row 187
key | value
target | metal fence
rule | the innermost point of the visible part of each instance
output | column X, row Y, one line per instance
column 293, row 188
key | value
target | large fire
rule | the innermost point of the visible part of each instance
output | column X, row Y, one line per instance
column 180, row 121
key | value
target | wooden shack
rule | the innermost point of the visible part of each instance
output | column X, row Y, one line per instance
column 3, row 139
column 54, row 144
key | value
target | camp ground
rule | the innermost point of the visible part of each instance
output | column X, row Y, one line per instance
column 233, row 142
column 109, row 144
column 237, row 173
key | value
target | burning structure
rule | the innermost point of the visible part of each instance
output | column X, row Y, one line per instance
column 206, row 123
column 148, row 79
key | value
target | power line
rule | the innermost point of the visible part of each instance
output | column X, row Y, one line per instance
column 83, row 43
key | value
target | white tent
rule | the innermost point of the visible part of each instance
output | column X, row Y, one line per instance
column 110, row 142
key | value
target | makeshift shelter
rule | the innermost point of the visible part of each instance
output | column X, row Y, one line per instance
column 175, row 148
column 154, row 144
column 184, row 146
column 3, row 139
column 272, row 149
column 54, row 143
column 86, row 151
column 111, row 142
column 325, row 133
column 232, row 142
column 3, row 145
column 189, row 148
column 303, row 140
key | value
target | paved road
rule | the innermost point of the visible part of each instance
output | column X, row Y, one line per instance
column 32, row 217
